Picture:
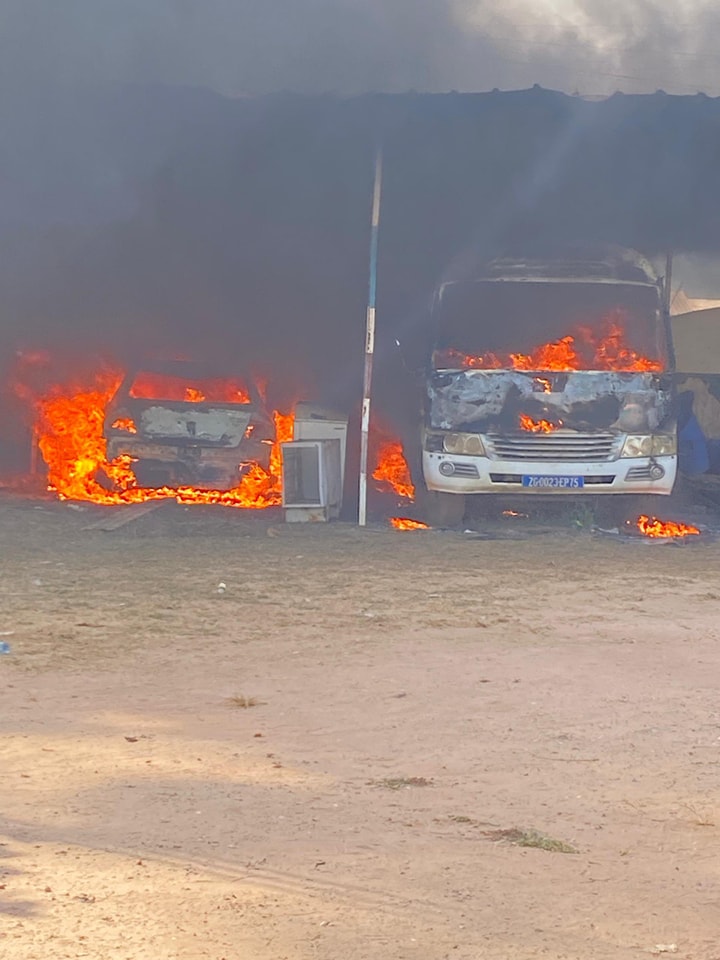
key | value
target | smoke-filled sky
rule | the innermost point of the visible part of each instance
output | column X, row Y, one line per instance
column 351, row 46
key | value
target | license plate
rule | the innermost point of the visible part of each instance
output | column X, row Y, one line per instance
column 553, row 483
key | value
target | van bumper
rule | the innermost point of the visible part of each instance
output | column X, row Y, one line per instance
column 641, row 475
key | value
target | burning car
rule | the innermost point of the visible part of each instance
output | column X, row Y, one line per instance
column 183, row 425
column 550, row 377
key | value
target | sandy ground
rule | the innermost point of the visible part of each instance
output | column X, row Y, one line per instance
column 417, row 695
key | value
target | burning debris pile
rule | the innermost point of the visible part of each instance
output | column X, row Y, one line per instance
column 650, row 529
column 665, row 529
column 402, row 523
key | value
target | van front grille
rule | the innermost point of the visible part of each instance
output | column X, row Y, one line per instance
column 562, row 445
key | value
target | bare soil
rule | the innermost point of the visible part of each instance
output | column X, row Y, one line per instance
column 341, row 753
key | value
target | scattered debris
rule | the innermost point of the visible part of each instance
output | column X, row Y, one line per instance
column 120, row 516
column 500, row 534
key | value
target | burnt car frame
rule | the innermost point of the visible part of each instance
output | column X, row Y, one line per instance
column 198, row 442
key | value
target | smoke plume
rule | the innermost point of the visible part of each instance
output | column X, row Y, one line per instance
column 352, row 46
column 194, row 176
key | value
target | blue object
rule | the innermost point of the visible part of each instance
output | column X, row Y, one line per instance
column 4, row 647
column 714, row 454
column 693, row 455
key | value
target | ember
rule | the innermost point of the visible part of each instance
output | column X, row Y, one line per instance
column 401, row 523
column 537, row 426
column 584, row 350
column 652, row 527
column 392, row 469
column 69, row 424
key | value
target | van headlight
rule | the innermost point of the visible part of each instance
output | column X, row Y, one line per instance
column 467, row 444
column 664, row 445
column 650, row 445
column 434, row 442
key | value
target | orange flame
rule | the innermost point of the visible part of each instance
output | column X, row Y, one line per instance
column 585, row 350
column 537, row 426
column 150, row 385
column 70, row 429
column 560, row 355
column 392, row 469
column 401, row 523
column 652, row 527
column 193, row 395
column 125, row 423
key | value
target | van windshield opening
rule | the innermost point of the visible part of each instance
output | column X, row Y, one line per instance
column 550, row 326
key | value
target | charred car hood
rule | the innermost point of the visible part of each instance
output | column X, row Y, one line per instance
column 492, row 400
column 176, row 422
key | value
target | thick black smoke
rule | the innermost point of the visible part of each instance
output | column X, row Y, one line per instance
column 241, row 226
column 141, row 212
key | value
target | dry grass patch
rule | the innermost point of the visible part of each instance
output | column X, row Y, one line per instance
column 530, row 838
column 397, row 783
column 244, row 703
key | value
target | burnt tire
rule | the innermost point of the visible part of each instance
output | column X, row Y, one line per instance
column 443, row 510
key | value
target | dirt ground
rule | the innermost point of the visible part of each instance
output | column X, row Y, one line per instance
column 415, row 697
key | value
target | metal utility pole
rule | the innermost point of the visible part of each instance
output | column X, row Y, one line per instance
column 668, row 282
column 370, row 337
column 667, row 309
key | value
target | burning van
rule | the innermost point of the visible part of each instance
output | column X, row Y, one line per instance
column 549, row 378
column 180, row 424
